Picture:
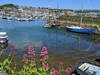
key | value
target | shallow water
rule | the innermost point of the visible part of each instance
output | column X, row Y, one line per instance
column 59, row 41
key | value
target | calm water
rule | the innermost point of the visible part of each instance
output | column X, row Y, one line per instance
column 23, row 34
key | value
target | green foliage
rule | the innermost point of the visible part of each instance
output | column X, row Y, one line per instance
column 86, row 20
column 9, row 6
column 31, row 65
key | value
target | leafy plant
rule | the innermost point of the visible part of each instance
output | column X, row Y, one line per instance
column 31, row 64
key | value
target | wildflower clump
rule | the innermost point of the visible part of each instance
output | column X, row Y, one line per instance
column 33, row 65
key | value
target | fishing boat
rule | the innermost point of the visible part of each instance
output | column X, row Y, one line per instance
column 79, row 28
column 86, row 68
column 3, row 37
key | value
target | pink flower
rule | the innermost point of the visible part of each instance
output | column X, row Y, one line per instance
column 55, row 72
column 73, row 74
column 52, row 69
column 14, row 52
column 9, row 64
column 29, row 61
column 24, row 58
column 12, row 45
column 46, row 65
column 68, row 69
column 11, row 49
column 61, row 64
column 25, row 55
column 30, row 47
column 42, row 55
column 45, row 52
column 34, row 54
column 41, row 60
column 60, row 73
column 46, row 58
column 31, row 51
column 44, row 48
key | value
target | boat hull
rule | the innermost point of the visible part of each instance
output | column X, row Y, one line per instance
column 84, row 68
column 87, row 31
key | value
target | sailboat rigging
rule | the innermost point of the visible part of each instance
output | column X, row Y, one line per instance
column 79, row 28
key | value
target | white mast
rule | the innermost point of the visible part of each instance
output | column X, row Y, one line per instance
column 57, row 8
column 82, row 11
column 48, row 10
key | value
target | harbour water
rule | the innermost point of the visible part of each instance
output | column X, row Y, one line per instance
column 58, row 41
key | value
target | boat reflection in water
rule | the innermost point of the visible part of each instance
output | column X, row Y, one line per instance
column 82, row 49
column 80, row 35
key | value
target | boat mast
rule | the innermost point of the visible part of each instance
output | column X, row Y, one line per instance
column 48, row 10
column 57, row 8
column 56, row 20
column 48, row 19
column 82, row 11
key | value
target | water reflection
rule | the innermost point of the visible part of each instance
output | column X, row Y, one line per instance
column 23, row 34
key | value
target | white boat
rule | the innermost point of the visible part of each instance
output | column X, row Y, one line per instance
column 3, row 37
column 84, row 68
column 48, row 25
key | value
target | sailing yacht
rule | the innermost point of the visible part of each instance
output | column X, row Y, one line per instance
column 79, row 28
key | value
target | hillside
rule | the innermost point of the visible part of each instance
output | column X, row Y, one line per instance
column 9, row 6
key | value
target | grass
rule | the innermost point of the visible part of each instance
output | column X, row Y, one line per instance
column 77, row 22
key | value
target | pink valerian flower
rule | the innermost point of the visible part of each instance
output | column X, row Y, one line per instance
column 12, row 45
column 44, row 52
column 61, row 64
column 14, row 52
column 11, row 49
column 25, row 55
column 41, row 60
column 44, row 48
column 60, row 73
column 73, row 74
column 24, row 58
column 9, row 64
column 46, row 58
column 30, row 47
column 68, row 69
column 52, row 69
column 31, row 51
column 55, row 72
column 46, row 65
column 30, row 61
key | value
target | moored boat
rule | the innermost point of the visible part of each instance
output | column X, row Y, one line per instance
column 47, row 25
column 80, row 29
column 85, row 68
column 3, row 37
